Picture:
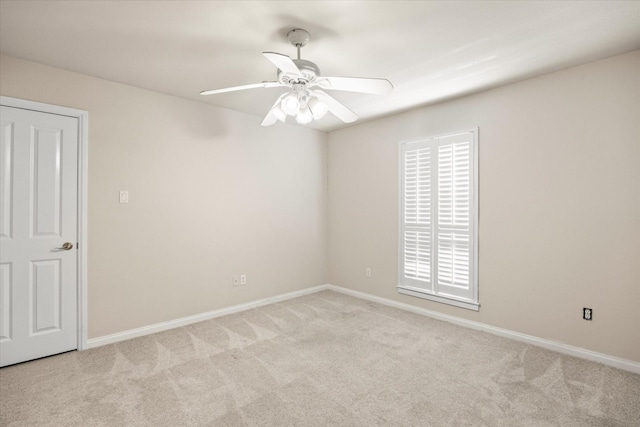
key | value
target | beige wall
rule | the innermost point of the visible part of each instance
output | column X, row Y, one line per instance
column 559, row 204
column 212, row 195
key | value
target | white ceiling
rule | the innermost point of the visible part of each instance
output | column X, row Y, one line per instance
column 429, row 50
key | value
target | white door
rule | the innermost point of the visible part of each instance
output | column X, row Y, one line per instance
column 38, row 234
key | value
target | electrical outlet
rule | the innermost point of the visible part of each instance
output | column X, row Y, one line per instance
column 235, row 281
column 243, row 279
column 587, row 313
column 367, row 272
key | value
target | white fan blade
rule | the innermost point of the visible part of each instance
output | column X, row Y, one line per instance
column 356, row 84
column 234, row 88
column 336, row 108
column 283, row 62
column 271, row 118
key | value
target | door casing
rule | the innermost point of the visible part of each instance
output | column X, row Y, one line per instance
column 83, row 162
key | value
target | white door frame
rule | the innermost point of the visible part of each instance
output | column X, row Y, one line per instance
column 83, row 162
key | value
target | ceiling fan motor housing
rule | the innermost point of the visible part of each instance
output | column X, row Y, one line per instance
column 308, row 69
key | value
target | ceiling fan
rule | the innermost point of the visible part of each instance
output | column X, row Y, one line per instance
column 307, row 100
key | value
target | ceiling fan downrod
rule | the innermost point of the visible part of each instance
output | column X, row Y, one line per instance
column 298, row 38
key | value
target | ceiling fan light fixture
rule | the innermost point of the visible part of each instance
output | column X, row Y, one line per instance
column 290, row 104
column 318, row 108
column 304, row 116
column 303, row 98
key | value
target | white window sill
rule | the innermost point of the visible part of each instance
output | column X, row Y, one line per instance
column 469, row 305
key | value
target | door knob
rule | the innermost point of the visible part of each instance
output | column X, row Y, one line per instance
column 66, row 246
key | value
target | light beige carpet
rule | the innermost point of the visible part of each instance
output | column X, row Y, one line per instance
column 325, row 359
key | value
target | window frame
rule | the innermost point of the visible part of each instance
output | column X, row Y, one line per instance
column 471, row 303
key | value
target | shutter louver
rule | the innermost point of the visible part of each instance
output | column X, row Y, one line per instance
column 453, row 260
column 453, row 186
column 417, row 255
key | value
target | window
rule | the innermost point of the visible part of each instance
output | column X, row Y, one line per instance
column 439, row 219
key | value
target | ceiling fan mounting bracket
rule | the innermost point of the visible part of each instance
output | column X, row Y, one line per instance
column 298, row 37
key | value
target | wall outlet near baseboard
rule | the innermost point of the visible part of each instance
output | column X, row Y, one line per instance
column 587, row 313
column 367, row 272
column 243, row 279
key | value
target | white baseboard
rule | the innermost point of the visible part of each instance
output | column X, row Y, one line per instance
column 163, row 326
column 605, row 359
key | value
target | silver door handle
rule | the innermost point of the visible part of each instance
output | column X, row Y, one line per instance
column 67, row 246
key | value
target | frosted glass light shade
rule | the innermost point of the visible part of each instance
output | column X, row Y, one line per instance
column 318, row 109
column 304, row 116
column 290, row 104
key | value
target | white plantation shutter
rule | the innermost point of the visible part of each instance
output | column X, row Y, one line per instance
column 454, row 219
column 417, row 216
column 438, row 244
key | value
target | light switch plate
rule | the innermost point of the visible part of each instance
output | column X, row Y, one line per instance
column 124, row 196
